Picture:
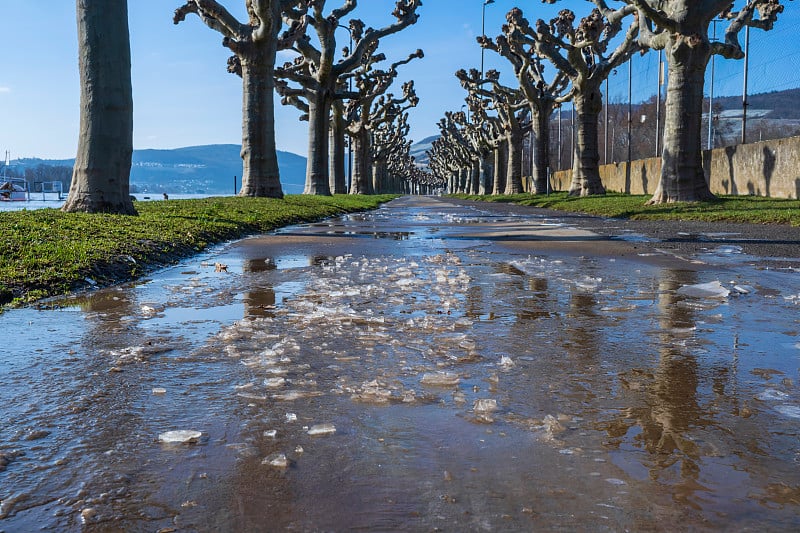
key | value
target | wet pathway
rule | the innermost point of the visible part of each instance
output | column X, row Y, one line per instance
column 423, row 367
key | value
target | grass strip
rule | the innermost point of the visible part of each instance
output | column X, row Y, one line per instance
column 45, row 252
column 737, row 209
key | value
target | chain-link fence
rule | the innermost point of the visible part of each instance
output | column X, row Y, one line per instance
column 631, row 124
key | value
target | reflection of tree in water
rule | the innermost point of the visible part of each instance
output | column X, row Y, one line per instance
column 666, row 408
column 259, row 301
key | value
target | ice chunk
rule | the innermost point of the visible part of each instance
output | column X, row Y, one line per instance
column 322, row 429
column 278, row 460
column 792, row 411
column 506, row 362
column 291, row 417
column 712, row 289
column 159, row 390
column 440, row 379
column 180, row 436
column 484, row 406
column 271, row 433
column 772, row 394
column 274, row 383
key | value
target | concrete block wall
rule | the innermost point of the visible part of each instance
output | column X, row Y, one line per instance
column 766, row 168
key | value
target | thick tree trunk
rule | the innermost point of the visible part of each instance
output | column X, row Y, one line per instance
column 337, row 173
column 486, row 173
column 101, row 176
column 586, row 170
column 475, row 177
column 541, row 149
column 317, row 167
column 362, row 175
column 514, row 173
column 682, row 178
column 380, row 177
column 500, row 167
column 260, row 174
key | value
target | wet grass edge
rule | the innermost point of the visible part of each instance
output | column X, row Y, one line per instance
column 46, row 253
column 725, row 209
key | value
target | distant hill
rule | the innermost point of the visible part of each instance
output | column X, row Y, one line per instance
column 418, row 150
column 208, row 169
column 781, row 104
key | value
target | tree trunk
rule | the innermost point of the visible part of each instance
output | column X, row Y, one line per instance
column 318, row 125
column 380, row 177
column 101, row 176
column 362, row 176
column 682, row 178
column 541, row 148
column 500, row 167
column 514, row 173
column 486, row 173
column 586, row 170
column 260, row 174
column 338, row 176
column 475, row 177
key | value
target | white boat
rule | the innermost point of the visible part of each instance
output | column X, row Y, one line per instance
column 13, row 189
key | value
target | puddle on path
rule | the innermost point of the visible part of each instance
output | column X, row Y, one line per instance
column 408, row 384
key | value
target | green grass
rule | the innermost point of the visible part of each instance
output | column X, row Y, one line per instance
column 740, row 209
column 47, row 253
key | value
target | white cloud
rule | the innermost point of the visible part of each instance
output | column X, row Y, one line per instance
column 4, row 90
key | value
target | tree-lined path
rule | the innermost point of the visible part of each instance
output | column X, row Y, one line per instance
column 432, row 364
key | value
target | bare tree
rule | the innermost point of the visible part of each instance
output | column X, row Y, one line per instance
column 582, row 53
column 254, row 45
column 319, row 75
column 542, row 96
column 511, row 107
column 101, row 176
column 680, row 28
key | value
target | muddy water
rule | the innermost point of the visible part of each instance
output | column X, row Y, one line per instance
column 423, row 367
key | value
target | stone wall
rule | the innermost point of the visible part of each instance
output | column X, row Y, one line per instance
column 767, row 168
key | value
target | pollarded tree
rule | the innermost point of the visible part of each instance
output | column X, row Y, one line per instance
column 254, row 45
column 682, row 32
column 320, row 77
column 511, row 107
column 101, row 176
column 543, row 96
column 582, row 53
column 681, row 29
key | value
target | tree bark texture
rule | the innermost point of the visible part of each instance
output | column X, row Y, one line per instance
column 514, row 172
column 586, row 170
column 260, row 174
column 486, row 173
column 337, row 172
column 541, row 149
column 682, row 178
column 100, row 178
column 500, row 168
column 362, row 177
column 318, row 124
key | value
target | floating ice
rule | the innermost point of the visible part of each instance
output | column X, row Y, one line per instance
column 772, row 394
column 792, row 411
column 440, row 379
column 278, row 460
column 506, row 362
column 182, row 436
column 159, row 390
column 615, row 481
column 271, row 433
column 291, row 417
column 713, row 289
column 274, row 383
column 322, row 429
column 484, row 406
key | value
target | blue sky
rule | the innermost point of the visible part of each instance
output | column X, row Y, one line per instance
column 183, row 96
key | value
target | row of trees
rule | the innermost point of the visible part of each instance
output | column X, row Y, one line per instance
column 582, row 54
column 338, row 96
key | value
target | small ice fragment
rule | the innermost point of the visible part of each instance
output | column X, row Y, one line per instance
column 180, row 436
column 713, row 289
column 506, row 362
column 322, row 429
column 440, row 379
column 299, row 450
column 271, row 433
column 148, row 311
column 291, row 417
column 484, row 406
column 792, row 411
column 273, row 383
column 159, row 390
column 278, row 460
column 772, row 394
column 615, row 481
column 743, row 289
